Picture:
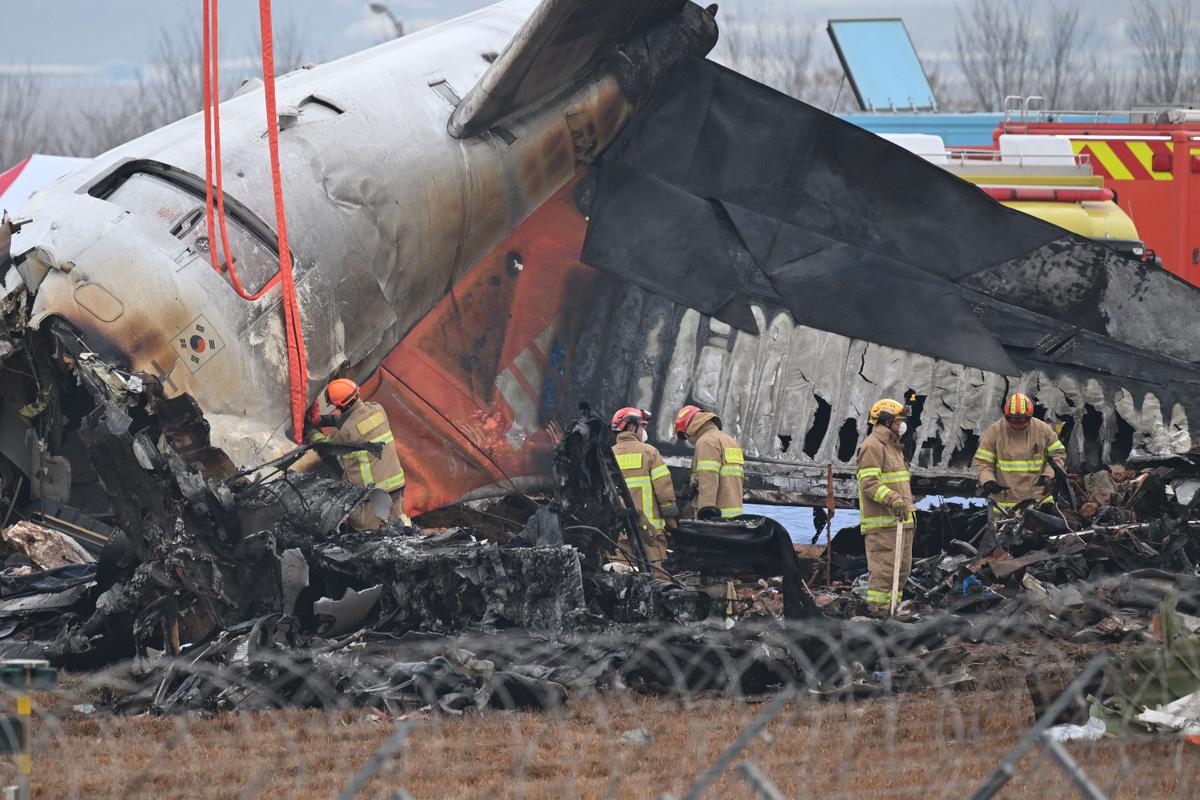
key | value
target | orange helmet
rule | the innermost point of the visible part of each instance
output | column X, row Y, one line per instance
column 683, row 419
column 341, row 393
column 629, row 416
column 1018, row 409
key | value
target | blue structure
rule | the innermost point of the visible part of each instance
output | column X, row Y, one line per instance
column 881, row 64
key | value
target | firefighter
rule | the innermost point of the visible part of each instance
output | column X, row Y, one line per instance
column 648, row 479
column 885, row 499
column 1013, row 462
column 718, row 464
column 355, row 421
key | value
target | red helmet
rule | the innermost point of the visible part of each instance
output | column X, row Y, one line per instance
column 1018, row 409
column 683, row 419
column 341, row 393
column 629, row 415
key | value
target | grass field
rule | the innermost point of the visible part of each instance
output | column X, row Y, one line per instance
column 930, row 744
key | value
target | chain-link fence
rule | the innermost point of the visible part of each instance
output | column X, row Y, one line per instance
column 831, row 709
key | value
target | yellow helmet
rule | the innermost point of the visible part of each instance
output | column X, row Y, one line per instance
column 888, row 408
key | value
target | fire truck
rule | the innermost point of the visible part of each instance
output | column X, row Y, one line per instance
column 1042, row 176
column 1149, row 160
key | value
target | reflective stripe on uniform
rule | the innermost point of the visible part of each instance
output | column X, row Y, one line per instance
column 727, row 513
column 1006, row 504
column 1022, row 466
column 870, row 523
column 363, row 458
column 1046, row 500
column 643, row 487
column 708, row 466
column 317, row 436
column 629, row 460
column 660, row 471
column 867, row 472
column 1054, row 447
column 876, row 596
column 393, row 483
column 881, row 493
column 734, row 470
column 895, row 477
column 371, row 422
column 985, row 455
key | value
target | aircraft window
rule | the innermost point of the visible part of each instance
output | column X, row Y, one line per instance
column 145, row 194
column 256, row 263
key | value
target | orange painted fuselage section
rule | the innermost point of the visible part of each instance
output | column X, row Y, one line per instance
column 475, row 391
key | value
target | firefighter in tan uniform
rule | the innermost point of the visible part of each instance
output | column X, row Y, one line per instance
column 885, row 499
column 718, row 464
column 354, row 422
column 648, row 479
column 1014, row 458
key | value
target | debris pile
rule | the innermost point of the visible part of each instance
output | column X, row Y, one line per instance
column 245, row 590
column 1094, row 568
column 270, row 662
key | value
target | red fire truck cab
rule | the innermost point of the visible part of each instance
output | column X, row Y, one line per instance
column 1151, row 163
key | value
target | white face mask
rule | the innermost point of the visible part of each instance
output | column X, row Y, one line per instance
column 903, row 428
column 645, row 437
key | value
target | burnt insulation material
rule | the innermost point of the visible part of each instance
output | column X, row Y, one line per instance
column 721, row 177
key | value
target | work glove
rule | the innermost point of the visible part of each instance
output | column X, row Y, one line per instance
column 312, row 417
column 686, row 493
column 672, row 523
column 1044, row 480
column 898, row 505
column 991, row 487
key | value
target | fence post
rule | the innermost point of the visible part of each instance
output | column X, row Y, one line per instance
column 22, row 676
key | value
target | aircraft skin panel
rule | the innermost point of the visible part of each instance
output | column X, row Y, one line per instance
column 480, row 381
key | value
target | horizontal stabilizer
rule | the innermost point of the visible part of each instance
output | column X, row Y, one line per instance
column 561, row 41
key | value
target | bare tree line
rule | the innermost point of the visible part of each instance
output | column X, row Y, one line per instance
column 1000, row 49
column 168, row 91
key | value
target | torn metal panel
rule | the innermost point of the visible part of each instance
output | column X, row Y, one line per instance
column 52, row 603
column 346, row 614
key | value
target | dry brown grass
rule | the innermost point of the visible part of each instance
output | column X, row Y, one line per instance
column 929, row 744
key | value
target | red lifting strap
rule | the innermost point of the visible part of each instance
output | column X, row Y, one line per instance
column 297, row 358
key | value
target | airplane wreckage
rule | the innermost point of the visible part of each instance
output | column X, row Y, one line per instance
column 501, row 217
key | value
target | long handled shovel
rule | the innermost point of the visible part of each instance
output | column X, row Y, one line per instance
column 896, row 567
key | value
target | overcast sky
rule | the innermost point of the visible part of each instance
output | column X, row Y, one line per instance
column 111, row 39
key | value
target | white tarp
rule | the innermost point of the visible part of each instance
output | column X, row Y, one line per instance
column 18, row 184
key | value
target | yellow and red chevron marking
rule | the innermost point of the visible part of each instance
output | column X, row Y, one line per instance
column 1125, row 159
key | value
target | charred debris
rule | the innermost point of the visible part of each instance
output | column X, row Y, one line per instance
column 249, row 573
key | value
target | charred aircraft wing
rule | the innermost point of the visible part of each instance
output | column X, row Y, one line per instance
column 725, row 191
